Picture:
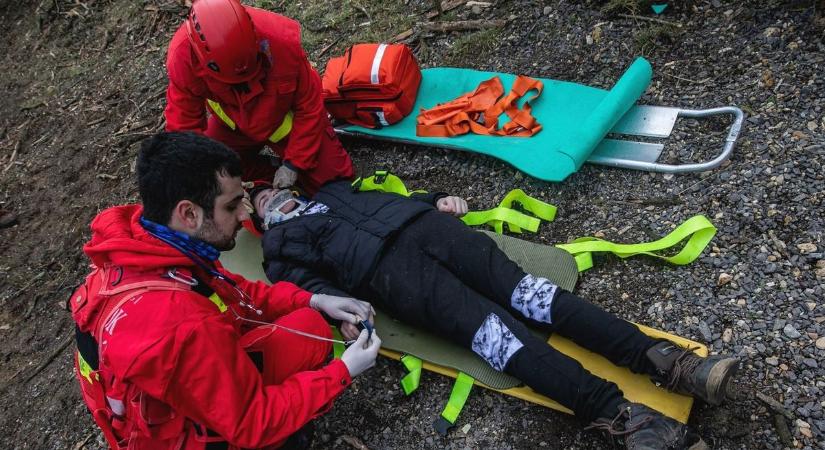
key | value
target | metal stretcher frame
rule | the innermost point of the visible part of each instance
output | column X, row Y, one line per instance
column 658, row 122
column 640, row 120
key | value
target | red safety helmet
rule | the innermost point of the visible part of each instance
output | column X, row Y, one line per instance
column 223, row 38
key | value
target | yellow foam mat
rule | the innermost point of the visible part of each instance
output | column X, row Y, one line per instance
column 636, row 388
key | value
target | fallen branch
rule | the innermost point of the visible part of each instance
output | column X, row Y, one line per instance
column 651, row 19
column 363, row 10
column 326, row 49
column 13, row 155
column 462, row 25
column 775, row 405
column 401, row 36
column 783, row 431
column 445, row 6
column 23, row 289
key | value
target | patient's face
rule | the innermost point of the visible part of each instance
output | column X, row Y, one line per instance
column 269, row 199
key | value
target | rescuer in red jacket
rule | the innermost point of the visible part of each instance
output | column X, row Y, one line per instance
column 176, row 352
column 247, row 68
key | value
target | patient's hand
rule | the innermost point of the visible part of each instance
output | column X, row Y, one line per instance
column 349, row 331
column 456, row 206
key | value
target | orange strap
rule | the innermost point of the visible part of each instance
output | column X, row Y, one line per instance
column 465, row 113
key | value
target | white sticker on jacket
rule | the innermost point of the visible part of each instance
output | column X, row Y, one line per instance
column 495, row 342
column 533, row 297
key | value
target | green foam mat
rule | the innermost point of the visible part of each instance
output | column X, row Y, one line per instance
column 574, row 117
column 541, row 260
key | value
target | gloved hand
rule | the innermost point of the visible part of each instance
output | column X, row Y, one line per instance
column 456, row 206
column 342, row 308
column 247, row 202
column 361, row 355
column 284, row 177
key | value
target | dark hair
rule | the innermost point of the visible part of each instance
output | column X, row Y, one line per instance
column 182, row 166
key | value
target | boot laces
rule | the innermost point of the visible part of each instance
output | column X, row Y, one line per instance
column 684, row 366
column 617, row 426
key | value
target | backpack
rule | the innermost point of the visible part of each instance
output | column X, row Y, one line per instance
column 372, row 85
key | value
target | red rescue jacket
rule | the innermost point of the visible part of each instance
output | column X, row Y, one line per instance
column 287, row 82
column 170, row 363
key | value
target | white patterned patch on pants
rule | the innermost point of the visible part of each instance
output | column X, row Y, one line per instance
column 495, row 342
column 533, row 297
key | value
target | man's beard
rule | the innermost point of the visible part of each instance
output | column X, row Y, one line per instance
column 209, row 234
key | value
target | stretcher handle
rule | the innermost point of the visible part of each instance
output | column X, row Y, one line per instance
column 730, row 141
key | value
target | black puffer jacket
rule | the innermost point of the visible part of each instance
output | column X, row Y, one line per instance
column 341, row 245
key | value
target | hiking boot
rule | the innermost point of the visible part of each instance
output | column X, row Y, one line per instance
column 645, row 429
column 680, row 370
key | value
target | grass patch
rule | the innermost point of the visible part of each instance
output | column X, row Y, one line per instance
column 623, row 6
column 648, row 38
column 469, row 49
column 350, row 21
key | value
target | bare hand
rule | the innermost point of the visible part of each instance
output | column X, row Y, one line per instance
column 456, row 206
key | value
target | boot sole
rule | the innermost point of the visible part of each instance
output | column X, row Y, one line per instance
column 718, row 379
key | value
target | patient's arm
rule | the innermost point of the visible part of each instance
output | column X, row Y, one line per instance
column 429, row 198
column 304, row 277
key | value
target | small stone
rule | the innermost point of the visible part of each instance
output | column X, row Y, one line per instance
column 466, row 428
column 770, row 31
column 741, row 302
column 803, row 427
column 820, row 343
column 810, row 362
column 705, row 330
column 5, row 327
column 812, row 125
column 791, row 332
column 476, row 10
column 772, row 360
column 806, row 247
column 724, row 278
column 820, row 268
column 625, row 296
column 727, row 335
column 798, row 135
column 547, row 10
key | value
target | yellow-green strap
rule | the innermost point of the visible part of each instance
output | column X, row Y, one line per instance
column 458, row 397
column 515, row 220
column 384, row 181
column 337, row 347
column 410, row 381
column 698, row 231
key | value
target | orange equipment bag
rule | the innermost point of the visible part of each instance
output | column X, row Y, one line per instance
column 478, row 111
column 372, row 85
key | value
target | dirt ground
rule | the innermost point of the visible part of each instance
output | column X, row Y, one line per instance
column 83, row 82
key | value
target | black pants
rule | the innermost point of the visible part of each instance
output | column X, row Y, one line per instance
column 440, row 275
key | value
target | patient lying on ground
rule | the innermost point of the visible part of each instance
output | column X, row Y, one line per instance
column 413, row 258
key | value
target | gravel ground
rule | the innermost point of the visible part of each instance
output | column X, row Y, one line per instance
column 757, row 292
